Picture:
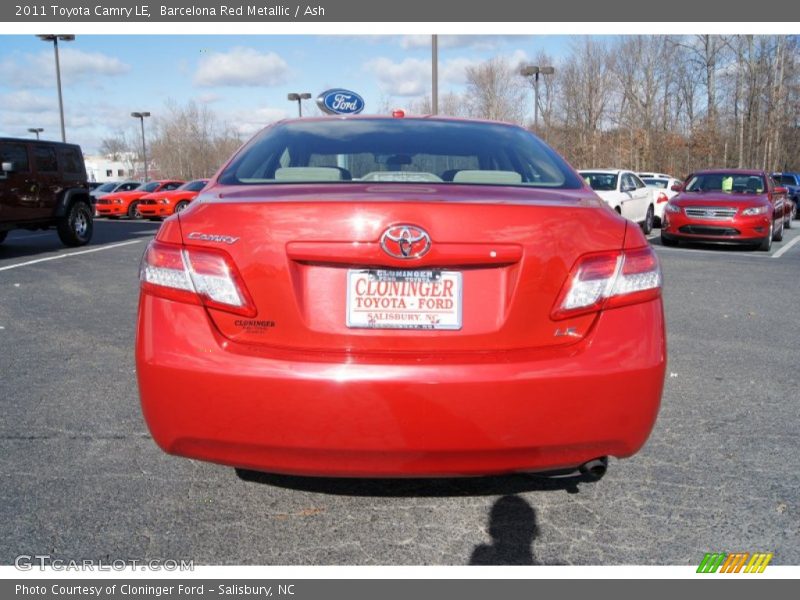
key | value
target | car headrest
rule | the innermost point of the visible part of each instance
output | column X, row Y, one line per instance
column 477, row 176
column 308, row 174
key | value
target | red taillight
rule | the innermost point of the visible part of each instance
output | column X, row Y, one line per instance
column 608, row 280
column 196, row 275
column 662, row 197
column 398, row 113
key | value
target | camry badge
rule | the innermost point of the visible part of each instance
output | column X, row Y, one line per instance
column 213, row 237
column 405, row 241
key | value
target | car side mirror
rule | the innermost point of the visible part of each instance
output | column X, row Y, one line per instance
column 677, row 187
column 628, row 188
column 7, row 167
column 781, row 190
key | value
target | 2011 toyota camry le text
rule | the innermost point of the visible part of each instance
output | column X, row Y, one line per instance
column 384, row 297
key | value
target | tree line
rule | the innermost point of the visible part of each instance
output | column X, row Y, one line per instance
column 652, row 102
column 663, row 103
column 185, row 141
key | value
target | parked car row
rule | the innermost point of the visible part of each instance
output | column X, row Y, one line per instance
column 732, row 206
column 153, row 200
column 626, row 193
column 103, row 189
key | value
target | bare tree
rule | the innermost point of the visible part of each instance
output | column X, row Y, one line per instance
column 116, row 146
column 496, row 91
column 190, row 142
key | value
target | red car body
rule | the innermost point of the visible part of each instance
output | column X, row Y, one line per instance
column 164, row 204
column 126, row 203
column 720, row 216
column 246, row 354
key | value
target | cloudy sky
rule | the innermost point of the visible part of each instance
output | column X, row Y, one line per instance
column 243, row 79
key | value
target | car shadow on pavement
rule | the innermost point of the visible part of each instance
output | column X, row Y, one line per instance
column 504, row 485
column 512, row 526
column 22, row 243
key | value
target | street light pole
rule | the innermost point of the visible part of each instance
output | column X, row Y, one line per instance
column 54, row 38
column 298, row 97
column 141, row 116
column 435, row 74
column 534, row 71
column 36, row 130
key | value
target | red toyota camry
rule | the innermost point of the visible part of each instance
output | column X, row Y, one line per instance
column 369, row 296
column 731, row 206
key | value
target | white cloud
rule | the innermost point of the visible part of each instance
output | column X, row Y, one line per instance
column 248, row 122
column 77, row 67
column 241, row 67
column 26, row 102
column 455, row 70
column 518, row 58
column 79, row 64
column 411, row 77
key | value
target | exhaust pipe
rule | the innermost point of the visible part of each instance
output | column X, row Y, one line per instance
column 594, row 469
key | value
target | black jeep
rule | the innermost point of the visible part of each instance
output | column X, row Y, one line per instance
column 43, row 184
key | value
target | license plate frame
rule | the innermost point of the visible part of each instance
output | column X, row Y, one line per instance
column 445, row 286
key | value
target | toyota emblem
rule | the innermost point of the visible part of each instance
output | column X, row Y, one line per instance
column 405, row 241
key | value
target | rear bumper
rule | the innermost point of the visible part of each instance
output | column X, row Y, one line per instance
column 207, row 398
column 741, row 230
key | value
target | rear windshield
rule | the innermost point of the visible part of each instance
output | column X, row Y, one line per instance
column 399, row 150
column 601, row 182
column 726, row 182
column 107, row 187
column 657, row 183
column 786, row 179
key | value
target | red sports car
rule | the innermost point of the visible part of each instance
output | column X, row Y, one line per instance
column 400, row 297
column 163, row 204
column 127, row 203
column 731, row 206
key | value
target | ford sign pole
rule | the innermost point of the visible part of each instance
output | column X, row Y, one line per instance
column 435, row 74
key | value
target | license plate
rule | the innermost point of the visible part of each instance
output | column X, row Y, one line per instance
column 396, row 299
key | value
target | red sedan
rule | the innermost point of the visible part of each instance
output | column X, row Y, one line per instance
column 126, row 204
column 400, row 297
column 731, row 206
column 163, row 204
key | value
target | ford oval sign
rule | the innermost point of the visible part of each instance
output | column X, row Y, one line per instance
column 340, row 102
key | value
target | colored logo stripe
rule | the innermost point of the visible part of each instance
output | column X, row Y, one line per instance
column 711, row 562
column 733, row 563
column 758, row 563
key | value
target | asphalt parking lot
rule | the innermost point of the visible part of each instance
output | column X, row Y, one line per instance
column 81, row 478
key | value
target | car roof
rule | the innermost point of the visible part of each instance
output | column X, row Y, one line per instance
column 608, row 171
column 730, row 172
column 39, row 142
column 423, row 117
